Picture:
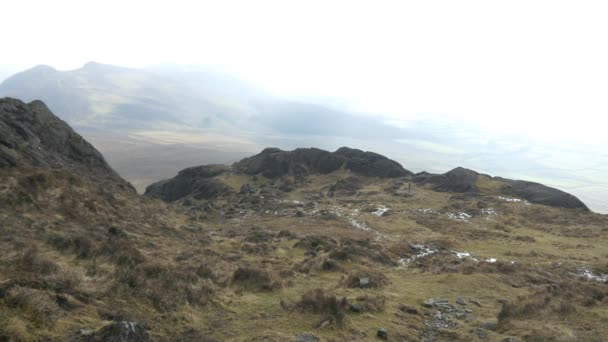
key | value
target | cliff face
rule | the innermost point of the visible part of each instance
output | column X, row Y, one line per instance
column 32, row 136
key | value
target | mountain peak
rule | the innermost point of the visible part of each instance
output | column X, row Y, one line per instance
column 32, row 136
column 43, row 68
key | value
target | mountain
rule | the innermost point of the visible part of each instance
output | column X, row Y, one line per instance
column 303, row 245
column 99, row 96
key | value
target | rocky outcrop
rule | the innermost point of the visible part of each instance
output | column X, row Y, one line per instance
column 457, row 180
column 273, row 163
column 197, row 182
column 541, row 194
column 463, row 180
column 30, row 135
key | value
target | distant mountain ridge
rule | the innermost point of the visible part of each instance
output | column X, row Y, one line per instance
column 100, row 96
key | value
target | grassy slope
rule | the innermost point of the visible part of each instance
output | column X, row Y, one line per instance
column 174, row 271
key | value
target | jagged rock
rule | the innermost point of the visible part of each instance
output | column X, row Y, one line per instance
column 197, row 182
column 30, row 135
column 120, row 332
column 273, row 163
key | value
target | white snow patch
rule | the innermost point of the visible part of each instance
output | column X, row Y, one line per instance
column 464, row 255
column 458, row 216
column 461, row 255
column 381, row 210
column 513, row 200
column 359, row 225
column 426, row 211
column 488, row 212
column 422, row 251
column 490, row 260
column 587, row 273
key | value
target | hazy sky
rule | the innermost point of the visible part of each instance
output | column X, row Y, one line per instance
column 539, row 68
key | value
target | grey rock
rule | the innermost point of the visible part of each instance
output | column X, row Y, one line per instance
column 476, row 302
column 509, row 339
column 306, row 337
column 382, row 333
column 461, row 301
column 363, row 282
column 429, row 303
column 357, row 308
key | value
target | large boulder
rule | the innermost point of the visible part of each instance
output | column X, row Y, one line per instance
column 198, row 182
column 32, row 136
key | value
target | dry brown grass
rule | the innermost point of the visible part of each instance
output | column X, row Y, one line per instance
column 86, row 253
column 330, row 307
column 254, row 279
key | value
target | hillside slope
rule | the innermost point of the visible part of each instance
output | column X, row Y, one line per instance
column 341, row 255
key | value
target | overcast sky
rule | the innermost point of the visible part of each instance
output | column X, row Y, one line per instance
column 539, row 68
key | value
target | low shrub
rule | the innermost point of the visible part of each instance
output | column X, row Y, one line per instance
column 329, row 306
column 254, row 279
